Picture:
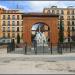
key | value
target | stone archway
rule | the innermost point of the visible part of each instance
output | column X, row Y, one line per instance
column 30, row 19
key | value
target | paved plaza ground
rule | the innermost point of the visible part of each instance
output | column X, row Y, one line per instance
column 37, row 64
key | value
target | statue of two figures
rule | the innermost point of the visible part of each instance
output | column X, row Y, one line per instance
column 41, row 38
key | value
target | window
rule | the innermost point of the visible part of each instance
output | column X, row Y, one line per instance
column 72, row 17
column 3, row 16
column 8, row 17
column 18, row 29
column 3, row 23
column 18, row 23
column 72, row 22
column 8, row 23
column 3, row 29
column 68, row 23
column 62, row 17
column 13, row 17
column 57, row 11
column 18, row 17
column 3, row 34
column 62, row 12
column 53, row 11
column 8, row 29
column 8, row 35
column 13, row 29
column 22, row 16
column 13, row 23
column 72, row 11
column 58, row 27
column 72, row 28
column 68, row 12
column 48, row 11
column 13, row 35
column 68, row 17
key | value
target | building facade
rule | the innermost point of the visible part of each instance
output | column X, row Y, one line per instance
column 1, row 11
column 68, row 18
column 11, row 24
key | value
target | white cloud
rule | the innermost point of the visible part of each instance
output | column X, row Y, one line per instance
column 4, row 7
column 38, row 6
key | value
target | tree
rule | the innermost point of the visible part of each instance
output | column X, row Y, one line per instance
column 61, row 33
column 68, row 33
column 18, row 38
column 61, row 37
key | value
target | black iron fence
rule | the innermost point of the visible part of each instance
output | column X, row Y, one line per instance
column 50, row 48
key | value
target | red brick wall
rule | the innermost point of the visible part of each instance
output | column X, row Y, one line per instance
column 50, row 21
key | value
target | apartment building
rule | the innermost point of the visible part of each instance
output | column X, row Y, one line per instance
column 1, row 11
column 11, row 24
column 68, row 18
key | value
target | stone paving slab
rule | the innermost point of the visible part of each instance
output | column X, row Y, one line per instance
column 37, row 64
column 37, row 67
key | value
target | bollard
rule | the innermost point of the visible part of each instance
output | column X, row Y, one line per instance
column 43, row 47
column 51, row 48
column 7, row 49
column 70, row 47
column 58, row 48
column 25, row 48
column 35, row 49
column 35, row 46
column 61, row 48
column 66, row 46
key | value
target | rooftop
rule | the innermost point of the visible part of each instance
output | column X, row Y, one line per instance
column 55, row 7
column 40, row 15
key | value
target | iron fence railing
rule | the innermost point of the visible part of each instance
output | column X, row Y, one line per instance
column 50, row 48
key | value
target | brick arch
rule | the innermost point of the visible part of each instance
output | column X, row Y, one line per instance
column 44, row 23
column 41, row 23
column 31, row 19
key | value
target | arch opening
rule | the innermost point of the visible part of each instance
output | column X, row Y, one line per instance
column 40, row 32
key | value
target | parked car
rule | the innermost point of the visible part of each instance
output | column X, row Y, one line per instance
column 4, row 41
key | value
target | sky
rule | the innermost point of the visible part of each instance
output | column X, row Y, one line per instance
column 34, row 6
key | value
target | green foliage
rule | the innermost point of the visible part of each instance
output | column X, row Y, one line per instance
column 18, row 38
column 61, row 32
